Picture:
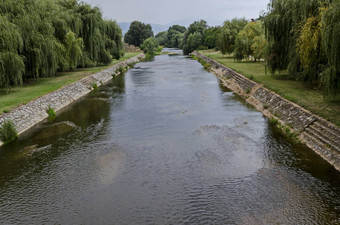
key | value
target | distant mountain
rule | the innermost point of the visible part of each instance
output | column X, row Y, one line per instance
column 156, row 28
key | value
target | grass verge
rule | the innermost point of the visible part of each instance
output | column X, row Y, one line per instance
column 307, row 96
column 35, row 88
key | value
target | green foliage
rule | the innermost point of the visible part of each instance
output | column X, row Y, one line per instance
column 207, row 66
column 11, row 63
column 121, row 69
column 73, row 49
column 210, row 37
column 162, row 37
column 250, row 41
column 150, row 45
column 226, row 39
column 330, row 78
column 51, row 113
column 303, row 37
column 41, row 37
column 8, row 132
column 175, row 36
column 273, row 121
column 193, row 37
column 172, row 38
column 137, row 33
column 95, row 87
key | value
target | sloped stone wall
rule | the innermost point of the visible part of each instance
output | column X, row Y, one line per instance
column 26, row 116
column 318, row 134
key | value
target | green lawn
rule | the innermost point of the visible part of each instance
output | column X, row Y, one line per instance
column 306, row 96
column 35, row 88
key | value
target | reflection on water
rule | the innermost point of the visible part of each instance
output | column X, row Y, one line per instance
column 165, row 143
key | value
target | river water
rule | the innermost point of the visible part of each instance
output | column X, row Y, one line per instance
column 165, row 143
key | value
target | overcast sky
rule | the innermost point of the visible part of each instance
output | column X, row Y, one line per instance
column 179, row 11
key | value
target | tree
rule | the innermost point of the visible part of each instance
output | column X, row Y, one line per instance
column 41, row 37
column 150, row 45
column 73, row 49
column 162, row 37
column 193, row 37
column 330, row 78
column 11, row 63
column 227, row 36
column 137, row 33
column 303, row 37
column 250, row 38
column 175, row 35
column 210, row 37
column 282, row 24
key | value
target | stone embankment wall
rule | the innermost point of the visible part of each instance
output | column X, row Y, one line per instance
column 318, row 134
column 26, row 116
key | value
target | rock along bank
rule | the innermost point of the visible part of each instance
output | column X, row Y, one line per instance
column 26, row 116
column 318, row 134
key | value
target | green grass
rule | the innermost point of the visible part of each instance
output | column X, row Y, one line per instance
column 304, row 95
column 35, row 88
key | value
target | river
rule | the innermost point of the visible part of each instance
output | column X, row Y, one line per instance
column 165, row 143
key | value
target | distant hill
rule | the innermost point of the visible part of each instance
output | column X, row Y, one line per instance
column 156, row 28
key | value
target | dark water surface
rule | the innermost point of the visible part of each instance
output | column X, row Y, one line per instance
column 165, row 143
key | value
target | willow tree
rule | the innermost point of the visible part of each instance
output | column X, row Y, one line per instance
column 73, row 49
column 39, row 44
column 53, row 35
column 282, row 24
column 245, row 41
column 113, row 38
column 331, row 33
column 12, row 65
column 227, row 36
column 94, row 43
column 310, row 49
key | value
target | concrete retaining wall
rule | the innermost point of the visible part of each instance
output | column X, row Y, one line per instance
column 26, row 116
column 318, row 134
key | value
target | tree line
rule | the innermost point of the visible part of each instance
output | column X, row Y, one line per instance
column 298, row 36
column 40, row 37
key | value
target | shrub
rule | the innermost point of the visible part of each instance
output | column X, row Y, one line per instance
column 273, row 121
column 95, row 87
column 51, row 113
column 121, row 69
column 8, row 131
column 207, row 66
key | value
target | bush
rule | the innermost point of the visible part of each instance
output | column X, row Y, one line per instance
column 121, row 69
column 51, row 113
column 273, row 121
column 8, row 132
column 95, row 87
column 149, row 46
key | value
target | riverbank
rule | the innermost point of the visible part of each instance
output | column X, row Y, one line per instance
column 317, row 133
column 308, row 96
column 26, row 116
column 35, row 88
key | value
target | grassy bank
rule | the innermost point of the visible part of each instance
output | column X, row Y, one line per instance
column 36, row 88
column 304, row 95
